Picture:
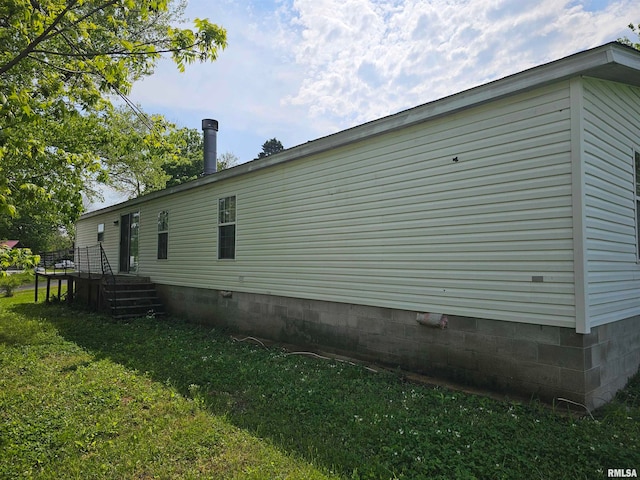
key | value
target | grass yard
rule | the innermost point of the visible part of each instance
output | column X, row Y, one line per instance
column 84, row 397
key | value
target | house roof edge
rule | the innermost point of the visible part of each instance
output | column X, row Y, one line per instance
column 611, row 61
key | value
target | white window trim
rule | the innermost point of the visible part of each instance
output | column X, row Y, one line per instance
column 223, row 224
column 162, row 231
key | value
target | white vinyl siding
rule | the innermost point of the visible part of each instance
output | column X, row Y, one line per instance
column 393, row 221
column 612, row 132
column 86, row 235
column 636, row 163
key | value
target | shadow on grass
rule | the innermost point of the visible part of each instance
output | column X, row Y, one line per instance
column 306, row 406
column 349, row 420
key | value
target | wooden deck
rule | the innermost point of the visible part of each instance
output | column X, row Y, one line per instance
column 59, row 277
column 71, row 278
column 124, row 296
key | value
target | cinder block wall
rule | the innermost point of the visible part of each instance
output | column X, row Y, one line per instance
column 531, row 360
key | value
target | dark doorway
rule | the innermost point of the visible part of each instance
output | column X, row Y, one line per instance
column 129, row 229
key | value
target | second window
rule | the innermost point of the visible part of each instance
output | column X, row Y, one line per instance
column 163, row 235
column 227, row 228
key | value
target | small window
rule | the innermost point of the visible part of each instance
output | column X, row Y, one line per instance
column 163, row 235
column 637, row 196
column 101, row 232
column 227, row 228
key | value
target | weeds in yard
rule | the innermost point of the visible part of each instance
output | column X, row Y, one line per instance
column 8, row 283
column 67, row 410
column 134, row 397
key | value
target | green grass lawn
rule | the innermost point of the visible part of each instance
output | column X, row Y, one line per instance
column 84, row 397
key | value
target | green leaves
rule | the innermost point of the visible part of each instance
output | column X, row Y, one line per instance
column 134, row 151
column 202, row 45
column 20, row 258
column 636, row 31
column 60, row 60
column 270, row 147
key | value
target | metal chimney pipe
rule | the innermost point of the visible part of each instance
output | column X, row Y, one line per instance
column 210, row 132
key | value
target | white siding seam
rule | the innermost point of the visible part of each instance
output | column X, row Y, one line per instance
column 578, row 195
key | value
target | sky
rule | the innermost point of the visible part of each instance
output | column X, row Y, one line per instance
column 298, row 70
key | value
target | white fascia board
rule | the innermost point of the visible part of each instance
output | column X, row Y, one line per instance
column 596, row 62
column 625, row 56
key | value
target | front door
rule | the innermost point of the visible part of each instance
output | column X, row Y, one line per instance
column 129, row 230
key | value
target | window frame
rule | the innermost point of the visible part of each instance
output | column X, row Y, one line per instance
column 227, row 221
column 162, row 252
column 100, row 233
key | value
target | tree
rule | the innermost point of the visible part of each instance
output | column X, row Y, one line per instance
column 133, row 153
column 227, row 160
column 19, row 258
column 636, row 30
column 45, row 174
column 270, row 147
column 36, row 230
column 188, row 163
column 59, row 62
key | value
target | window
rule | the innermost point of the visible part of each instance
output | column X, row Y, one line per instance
column 637, row 196
column 163, row 235
column 227, row 228
column 101, row 232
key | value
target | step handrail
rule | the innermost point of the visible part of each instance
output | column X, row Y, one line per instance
column 109, row 277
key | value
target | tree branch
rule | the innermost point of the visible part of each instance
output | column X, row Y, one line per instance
column 55, row 67
column 117, row 52
column 40, row 38
column 51, row 31
column 86, row 15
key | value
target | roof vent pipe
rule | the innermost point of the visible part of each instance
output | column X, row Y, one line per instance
column 210, row 132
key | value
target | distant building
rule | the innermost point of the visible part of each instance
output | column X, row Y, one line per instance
column 9, row 243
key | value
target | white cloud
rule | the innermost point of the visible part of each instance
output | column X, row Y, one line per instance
column 300, row 69
column 242, row 89
column 365, row 59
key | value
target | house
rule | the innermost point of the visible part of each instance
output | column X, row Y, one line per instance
column 507, row 213
column 9, row 243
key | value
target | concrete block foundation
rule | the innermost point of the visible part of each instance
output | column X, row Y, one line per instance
column 538, row 361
